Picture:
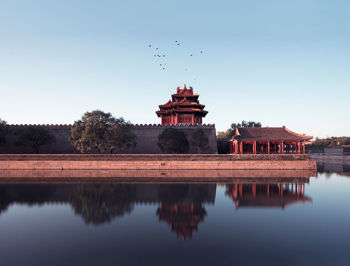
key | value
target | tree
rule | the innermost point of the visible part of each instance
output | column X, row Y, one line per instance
column 172, row 140
column 231, row 131
column 3, row 131
column 200, row 140
column 35, row 136
column 120, row 136
column 101, row 131
column 245, row 124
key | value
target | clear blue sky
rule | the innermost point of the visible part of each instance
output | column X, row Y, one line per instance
column 274, row 61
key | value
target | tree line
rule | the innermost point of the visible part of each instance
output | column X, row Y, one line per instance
column 331, row 141
column 100, row 132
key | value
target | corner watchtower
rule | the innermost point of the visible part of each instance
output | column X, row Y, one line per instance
column 183, row 108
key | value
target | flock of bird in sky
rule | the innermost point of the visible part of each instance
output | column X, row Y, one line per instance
column 162, row 57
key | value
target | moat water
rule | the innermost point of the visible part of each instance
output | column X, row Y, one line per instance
column 306, row 222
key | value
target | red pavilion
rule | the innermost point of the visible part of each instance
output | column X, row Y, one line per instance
column 183, row 108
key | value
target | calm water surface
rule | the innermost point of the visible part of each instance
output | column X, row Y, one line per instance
column 172, row 224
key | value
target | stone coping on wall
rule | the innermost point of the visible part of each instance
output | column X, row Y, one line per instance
column 154, row 157
column 133, row 125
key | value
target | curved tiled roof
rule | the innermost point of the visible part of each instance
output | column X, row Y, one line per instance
column 269, row 134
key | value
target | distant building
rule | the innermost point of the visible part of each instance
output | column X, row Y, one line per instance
column 183, row 108
column 267, row 140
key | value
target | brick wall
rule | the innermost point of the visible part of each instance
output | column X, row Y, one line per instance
column 147, row 138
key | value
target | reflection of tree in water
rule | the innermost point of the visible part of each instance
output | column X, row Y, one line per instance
column 100, row 203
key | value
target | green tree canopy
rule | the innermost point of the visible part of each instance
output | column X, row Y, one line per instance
column 200, row 140
column 230, row 132
column 103, row 132
column 331, row 141
column 35, row 136
column 3, row 131
column 172, row 140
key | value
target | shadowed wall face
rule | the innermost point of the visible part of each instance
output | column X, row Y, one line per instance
column 147, row 140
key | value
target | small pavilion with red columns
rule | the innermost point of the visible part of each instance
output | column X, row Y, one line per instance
column 267, row 140
column 183, row 108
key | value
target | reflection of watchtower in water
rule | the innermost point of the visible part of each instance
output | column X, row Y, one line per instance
column 182, row 206
column 182, row 217
column 267, row 195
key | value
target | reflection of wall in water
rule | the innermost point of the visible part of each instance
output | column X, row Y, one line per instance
column 266, row 195
column 342, row 169
column 101, row 203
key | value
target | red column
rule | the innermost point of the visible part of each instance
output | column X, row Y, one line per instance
column 268, row 147
column 281, row 190
column 192, row 119
column 254, row 190
column 236, row 147
column 254, row 147
column 303, row 147
column 268, row 190
column 241, row 147
column 281, row 147
column 235, row 191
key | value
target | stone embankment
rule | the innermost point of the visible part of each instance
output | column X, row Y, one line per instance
column 330, row 158
column 156, row 162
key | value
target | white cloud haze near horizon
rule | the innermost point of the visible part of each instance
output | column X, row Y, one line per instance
column 276, row 62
